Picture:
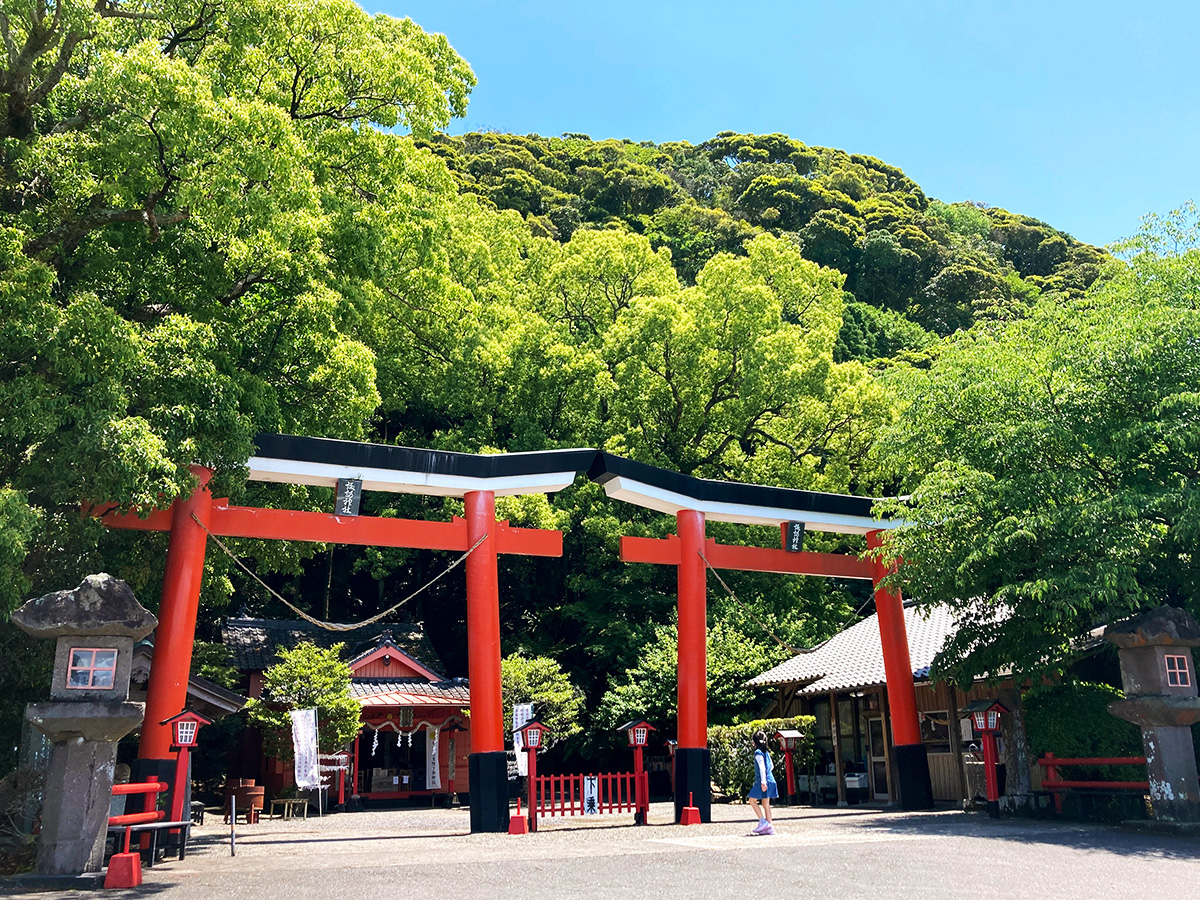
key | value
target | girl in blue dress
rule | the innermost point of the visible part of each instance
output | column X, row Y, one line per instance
column 764, row 787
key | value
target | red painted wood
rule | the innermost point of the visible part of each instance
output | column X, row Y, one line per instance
column 651, row 550
column 483, row 626
column 139, row 787
column 902, row 695
column 157, row 520
column 989, row 767
column 693, row 630
column 1098, row 785
column 528, row 541
column 296, row 525
column 751, row 559
column 562, row 795
column 139, row 818
column 760, row 559
column 166, row 693
column 1051, row 760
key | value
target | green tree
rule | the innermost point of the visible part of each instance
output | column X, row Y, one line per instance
column 649, row 688
column 1060, row 458
column 191, row 197
column 557, row 703
column 306, row 677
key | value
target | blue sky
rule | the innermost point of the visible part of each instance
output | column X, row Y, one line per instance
column 1084, row 115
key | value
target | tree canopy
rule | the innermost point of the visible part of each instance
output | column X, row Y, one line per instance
column 306, row 677
column 1060, row 455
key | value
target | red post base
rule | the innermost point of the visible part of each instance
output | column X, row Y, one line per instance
column 518, row 824
column 690, row 814
column 124, row 871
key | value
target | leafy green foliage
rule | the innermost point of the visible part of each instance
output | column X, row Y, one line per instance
column 213, row 661
column 1061, row 456
column 1072, row 720
column 186, row 191
column 557, row 703
column 731, row 749
column 853, row 213
column 648, row 689
column 306, row 677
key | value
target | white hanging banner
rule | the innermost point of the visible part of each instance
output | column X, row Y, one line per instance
column 304, row 743
column 433, row 774
column 522, row 713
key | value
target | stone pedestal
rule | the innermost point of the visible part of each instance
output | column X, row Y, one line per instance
column 1159, row 679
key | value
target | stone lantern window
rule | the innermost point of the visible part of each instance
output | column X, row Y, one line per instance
column 1177, row 671
column 92, row 668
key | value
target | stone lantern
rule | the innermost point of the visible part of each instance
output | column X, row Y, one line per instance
column 1159, row 679
column 89, row 710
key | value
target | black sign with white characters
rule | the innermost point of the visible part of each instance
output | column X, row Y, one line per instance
column 349, row 493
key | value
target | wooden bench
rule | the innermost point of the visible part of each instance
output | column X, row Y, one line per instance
column 289, row 806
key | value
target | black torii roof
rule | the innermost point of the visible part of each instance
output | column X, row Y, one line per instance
column 322, row 461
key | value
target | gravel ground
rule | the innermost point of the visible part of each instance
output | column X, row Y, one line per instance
column 847, row 853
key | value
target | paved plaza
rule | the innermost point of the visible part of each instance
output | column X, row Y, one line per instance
column 848, row 853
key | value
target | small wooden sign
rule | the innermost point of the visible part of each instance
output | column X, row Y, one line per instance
column 793, row 539
column 349, row 493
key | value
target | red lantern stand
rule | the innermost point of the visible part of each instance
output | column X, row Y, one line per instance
column 531, row 735
column 985, row 717
column 790, row 739
column 185, row 727
column 639, row 733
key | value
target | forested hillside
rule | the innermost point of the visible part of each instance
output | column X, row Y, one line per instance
column 219, row 221
column 941, row 266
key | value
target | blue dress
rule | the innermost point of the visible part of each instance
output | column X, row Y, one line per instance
column 762, row 764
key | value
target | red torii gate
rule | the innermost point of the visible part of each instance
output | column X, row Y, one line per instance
column 688, row 549
column 318, row 461
column 478, row 480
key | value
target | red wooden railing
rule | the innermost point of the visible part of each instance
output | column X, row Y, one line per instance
column 563, row 795
column 153, row 786
column 1051, row 782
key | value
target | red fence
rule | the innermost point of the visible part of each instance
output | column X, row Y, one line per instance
column 1052, row 782
column 564, row 795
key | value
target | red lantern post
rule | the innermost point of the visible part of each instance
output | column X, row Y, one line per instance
column 985, row 717
column 532, row 732
column 790, row 739
column 639, row 733
column 184, row 728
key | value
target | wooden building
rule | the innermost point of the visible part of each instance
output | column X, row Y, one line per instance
column 415, row 733
column 842, row 683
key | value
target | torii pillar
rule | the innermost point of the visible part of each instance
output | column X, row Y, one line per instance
column 687, row 550
column 910, row 762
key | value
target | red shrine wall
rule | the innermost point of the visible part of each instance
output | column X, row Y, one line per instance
column 382, row 773
column 395, row 667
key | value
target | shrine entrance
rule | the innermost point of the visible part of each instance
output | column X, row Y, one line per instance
column 478, row 480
